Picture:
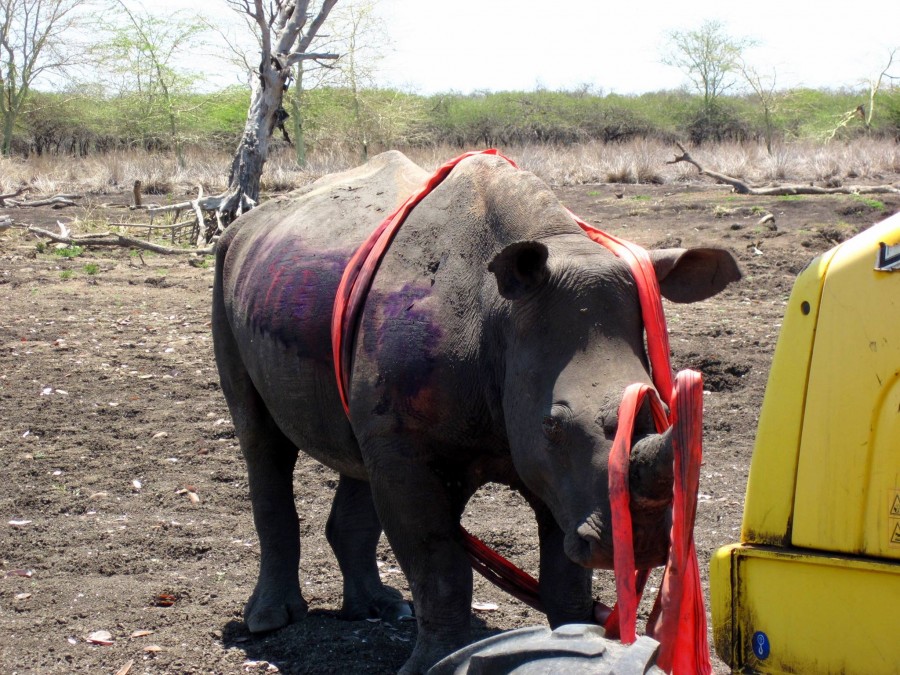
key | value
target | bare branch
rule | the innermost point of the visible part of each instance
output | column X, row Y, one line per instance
column 296, row 57
column 875, row 85
column 265, row 35
column 205, row 203
column 145, row 226
column 307, row 39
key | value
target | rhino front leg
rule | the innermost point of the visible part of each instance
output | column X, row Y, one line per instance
column 353, row 530
column 420, row 516
column 277, row 600
column 565, row 586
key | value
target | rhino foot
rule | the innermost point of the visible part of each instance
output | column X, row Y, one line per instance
column 270, row 611
column 386, row 604
column 428, row 652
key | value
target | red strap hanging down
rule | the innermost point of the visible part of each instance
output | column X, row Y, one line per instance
column 678, row 619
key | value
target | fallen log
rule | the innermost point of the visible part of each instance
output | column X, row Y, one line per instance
column 743, row 188
column 145, row 226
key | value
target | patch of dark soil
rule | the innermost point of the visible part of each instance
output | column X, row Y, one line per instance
column 836, row 234
column 717, row 376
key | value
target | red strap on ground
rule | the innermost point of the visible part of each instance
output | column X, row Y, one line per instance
column 678, row 619
column 501, row 572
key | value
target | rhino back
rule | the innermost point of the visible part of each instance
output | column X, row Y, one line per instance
column 280, row 266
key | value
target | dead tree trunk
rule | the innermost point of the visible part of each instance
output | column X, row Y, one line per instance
column 283, row 43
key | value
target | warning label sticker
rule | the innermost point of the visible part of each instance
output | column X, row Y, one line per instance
column 893, row 520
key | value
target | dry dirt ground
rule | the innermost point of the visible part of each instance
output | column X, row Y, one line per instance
column 123, row 497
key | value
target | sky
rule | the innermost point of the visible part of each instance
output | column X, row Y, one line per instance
column 467, row 45
column 495, row 45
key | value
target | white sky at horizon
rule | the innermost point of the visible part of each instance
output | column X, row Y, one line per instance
column 497, row 45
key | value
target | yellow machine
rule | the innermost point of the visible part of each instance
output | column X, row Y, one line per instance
column 814, row 585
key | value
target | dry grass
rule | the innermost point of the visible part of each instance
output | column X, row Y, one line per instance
column 640, row 161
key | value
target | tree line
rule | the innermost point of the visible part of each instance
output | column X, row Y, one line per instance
column 370, row 119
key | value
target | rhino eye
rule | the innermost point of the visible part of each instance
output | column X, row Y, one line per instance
column 554, row 424
column 551, row 427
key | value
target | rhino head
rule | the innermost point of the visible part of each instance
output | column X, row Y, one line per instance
column 573, row 341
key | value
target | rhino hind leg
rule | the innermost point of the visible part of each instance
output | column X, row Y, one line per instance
column 276, row 601
column 353, row 531
column 270, row 458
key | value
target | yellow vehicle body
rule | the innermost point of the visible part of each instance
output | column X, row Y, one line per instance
column 814, row 585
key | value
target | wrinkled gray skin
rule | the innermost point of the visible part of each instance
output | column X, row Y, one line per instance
column 495, row 345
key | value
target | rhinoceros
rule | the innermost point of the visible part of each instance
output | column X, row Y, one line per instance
column 494, row 346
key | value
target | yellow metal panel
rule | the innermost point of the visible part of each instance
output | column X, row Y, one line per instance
column 798, row 612
column 881, row 536
column 773, row 469
column 849, row 464
column 720, row 591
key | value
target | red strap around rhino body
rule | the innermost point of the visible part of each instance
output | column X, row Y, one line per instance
column 678, row 619
column 357, row 279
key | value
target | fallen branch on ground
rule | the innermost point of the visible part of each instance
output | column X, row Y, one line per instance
column 57, row 201
column 217, row 205
column 13, row 195
column 742, row 188
column 145, row 226
column 109, row 239
column 205, row 203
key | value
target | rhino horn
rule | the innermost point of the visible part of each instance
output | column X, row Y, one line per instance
column 651, row 472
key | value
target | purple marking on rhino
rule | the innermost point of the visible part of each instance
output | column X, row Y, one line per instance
column 287, row 290
column 400, row 332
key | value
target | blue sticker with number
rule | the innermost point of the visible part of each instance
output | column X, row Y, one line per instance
column 761, row 645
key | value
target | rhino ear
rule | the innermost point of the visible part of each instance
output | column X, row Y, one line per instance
column 689, row 275
column 520, row 268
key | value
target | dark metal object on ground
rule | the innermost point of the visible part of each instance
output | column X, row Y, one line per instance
column 574, row 649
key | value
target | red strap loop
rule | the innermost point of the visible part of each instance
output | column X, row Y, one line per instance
column 619, row 500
